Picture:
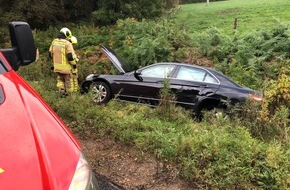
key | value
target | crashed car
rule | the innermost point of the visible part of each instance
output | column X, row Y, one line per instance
column 194, row 87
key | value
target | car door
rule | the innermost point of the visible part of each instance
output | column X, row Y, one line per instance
column 146, row 90
column 195, row 83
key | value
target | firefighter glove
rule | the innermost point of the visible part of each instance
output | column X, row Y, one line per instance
column 75, row 71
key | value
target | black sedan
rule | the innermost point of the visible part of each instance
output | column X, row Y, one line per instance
column 194, row 87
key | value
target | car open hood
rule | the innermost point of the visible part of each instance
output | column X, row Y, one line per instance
column 117, row 61
column 34, row 142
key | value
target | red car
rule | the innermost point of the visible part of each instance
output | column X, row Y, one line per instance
column 37, row 149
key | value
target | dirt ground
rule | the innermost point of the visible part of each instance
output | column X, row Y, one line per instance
column 130, row 169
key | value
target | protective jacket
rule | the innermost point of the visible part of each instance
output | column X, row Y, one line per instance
column 62, row 51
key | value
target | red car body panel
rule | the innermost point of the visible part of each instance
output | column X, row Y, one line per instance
column 37, row 150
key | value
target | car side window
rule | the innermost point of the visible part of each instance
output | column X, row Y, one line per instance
column 195, row 74
column 209, row 78
column 158, row 71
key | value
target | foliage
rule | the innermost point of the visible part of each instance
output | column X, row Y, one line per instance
column 246, row 149
column 278, row 91
column 45, row 13
column 275, row 111
column 252, row 54
column 197, row 1
column 111, row 11
column 147, row 42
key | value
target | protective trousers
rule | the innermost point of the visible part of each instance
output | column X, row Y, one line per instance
column 64, row 83
column 75, row 83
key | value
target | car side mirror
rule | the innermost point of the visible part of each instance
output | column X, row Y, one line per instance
column 23, row 50
column 22, row 38
column 137, row 75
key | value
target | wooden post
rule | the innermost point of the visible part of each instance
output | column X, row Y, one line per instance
column 235, row 25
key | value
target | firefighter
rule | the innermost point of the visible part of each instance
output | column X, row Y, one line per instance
column 62, row 53
column 75, row 84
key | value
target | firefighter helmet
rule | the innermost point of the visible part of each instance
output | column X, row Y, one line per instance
column 73, row 40
column 66, row 32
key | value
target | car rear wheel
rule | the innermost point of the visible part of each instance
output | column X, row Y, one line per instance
column 101, row 92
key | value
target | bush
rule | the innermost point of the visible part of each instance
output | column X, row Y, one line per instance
column 147, row 42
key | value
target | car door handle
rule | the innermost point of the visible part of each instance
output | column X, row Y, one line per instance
column 198, row 86
column 206, row 93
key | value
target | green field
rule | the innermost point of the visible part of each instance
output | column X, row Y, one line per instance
column 251, row 15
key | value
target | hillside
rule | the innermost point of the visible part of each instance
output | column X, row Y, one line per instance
column 248, row 150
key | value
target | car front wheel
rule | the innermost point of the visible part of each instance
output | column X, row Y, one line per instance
column 101, row 92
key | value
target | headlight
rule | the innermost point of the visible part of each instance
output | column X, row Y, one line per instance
column 90, row 76
column 83, row 178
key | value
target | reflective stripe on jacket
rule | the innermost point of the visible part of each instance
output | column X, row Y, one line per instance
column 59, row 49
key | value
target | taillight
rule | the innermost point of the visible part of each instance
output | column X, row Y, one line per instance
column 256, row 97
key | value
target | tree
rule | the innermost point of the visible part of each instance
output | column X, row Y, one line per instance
column 109, row 11
column 41, row 14
column 44, row 13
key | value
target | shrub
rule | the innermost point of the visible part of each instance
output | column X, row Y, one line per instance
column 147, row 42
column 275, row 110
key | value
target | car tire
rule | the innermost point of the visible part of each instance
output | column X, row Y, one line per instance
column 219, row 113
column 101, row 92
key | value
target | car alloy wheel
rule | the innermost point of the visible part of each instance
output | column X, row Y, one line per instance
column 101, row 92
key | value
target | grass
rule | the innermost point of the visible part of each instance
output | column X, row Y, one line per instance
column 251, row 15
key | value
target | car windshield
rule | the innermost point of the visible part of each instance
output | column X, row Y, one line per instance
column 2, row 68
column 158, row 71
column 195, row 74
